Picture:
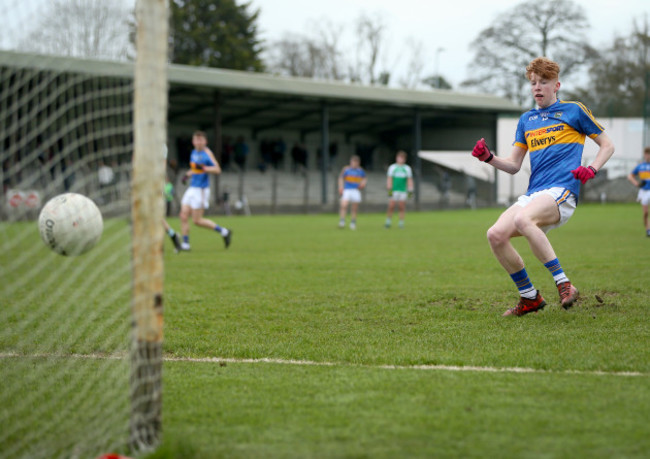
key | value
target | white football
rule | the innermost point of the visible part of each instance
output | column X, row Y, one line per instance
column 70, row 224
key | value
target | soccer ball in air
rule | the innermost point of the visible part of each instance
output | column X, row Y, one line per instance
column 70, row 224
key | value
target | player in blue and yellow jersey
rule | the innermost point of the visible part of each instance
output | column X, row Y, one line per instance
column 640, row 178
column 352, row 180
column 553, row 134
column 197, row 196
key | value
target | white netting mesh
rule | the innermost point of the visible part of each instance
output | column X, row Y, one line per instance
column 66, row 125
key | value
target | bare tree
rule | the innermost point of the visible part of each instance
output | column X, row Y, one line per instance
column 313, row 57
column 555, row 29
column 415, row 66
column 370, row 33
column 619, row 80
column 82, row 28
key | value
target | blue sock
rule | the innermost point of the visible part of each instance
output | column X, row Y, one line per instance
column 186, row 238
column 556, row 271
column 221, row 230
column 523, row 283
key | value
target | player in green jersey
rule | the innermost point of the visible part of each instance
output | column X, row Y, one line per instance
column 399, row 183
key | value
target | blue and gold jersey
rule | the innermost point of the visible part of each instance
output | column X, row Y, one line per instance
column 199, row 178
column 642, row 171
column 555, row 137
column 352, row 177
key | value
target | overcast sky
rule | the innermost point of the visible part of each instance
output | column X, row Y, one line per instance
column 446, row 25
column 449, row 24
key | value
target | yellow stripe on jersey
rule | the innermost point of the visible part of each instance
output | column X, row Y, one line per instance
column 541, row 138
column 196, row 170
column 521, row 145
column 644, row 175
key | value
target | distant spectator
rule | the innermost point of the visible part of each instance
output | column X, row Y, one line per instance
column 241, row 153
column 227, row 152
column 298, row 156
column 277, row 152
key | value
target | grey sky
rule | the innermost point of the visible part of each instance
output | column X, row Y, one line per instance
column 450, row 25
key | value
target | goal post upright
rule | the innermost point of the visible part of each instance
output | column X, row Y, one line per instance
column 149, row 123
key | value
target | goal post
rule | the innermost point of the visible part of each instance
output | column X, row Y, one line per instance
column 81, row 336
column 149, row 133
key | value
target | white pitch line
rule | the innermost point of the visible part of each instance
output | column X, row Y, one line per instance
column 477, row 369
column 406, row 367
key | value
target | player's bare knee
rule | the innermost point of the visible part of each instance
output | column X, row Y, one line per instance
column 521, row 222
column 495, row 236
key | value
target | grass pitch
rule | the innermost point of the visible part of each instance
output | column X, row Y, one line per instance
column 302, row 340
column 361, row 326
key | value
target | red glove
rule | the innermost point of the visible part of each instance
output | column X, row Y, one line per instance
column 584, row 173
column 482, row 152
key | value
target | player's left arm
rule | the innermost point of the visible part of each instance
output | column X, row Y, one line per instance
column 363, row 183
column 215, row 168
column 605, row 151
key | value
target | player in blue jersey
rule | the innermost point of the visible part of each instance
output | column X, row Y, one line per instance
column 640, row 177
column 553, row 134
column 352, row 180
column 197, row 196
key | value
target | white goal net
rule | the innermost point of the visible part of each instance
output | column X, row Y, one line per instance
column 81, row 336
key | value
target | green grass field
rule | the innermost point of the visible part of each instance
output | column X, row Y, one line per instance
column 303, row 340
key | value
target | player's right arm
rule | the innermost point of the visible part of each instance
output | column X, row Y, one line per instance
column 510, row 164
column 341, row 175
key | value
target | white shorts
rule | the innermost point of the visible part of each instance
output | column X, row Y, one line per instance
column 566, row 204
column 196, row 198
column 351, row 195
column 399, row 196
column 643, row 197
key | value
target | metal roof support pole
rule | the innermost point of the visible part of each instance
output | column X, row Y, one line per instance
column 218, row 146
column 325, row 142
column 417, row 146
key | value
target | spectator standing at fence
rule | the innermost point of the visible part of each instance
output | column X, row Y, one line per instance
column 553, row 134
column 197, row 196
column 399, row 183
column 352, row 180
column 299, row 157
column 640, row 178
column 240, row 150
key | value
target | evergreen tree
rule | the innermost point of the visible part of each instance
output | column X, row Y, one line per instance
column 215, row 33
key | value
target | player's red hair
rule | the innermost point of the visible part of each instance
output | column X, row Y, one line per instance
column 543, row 67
